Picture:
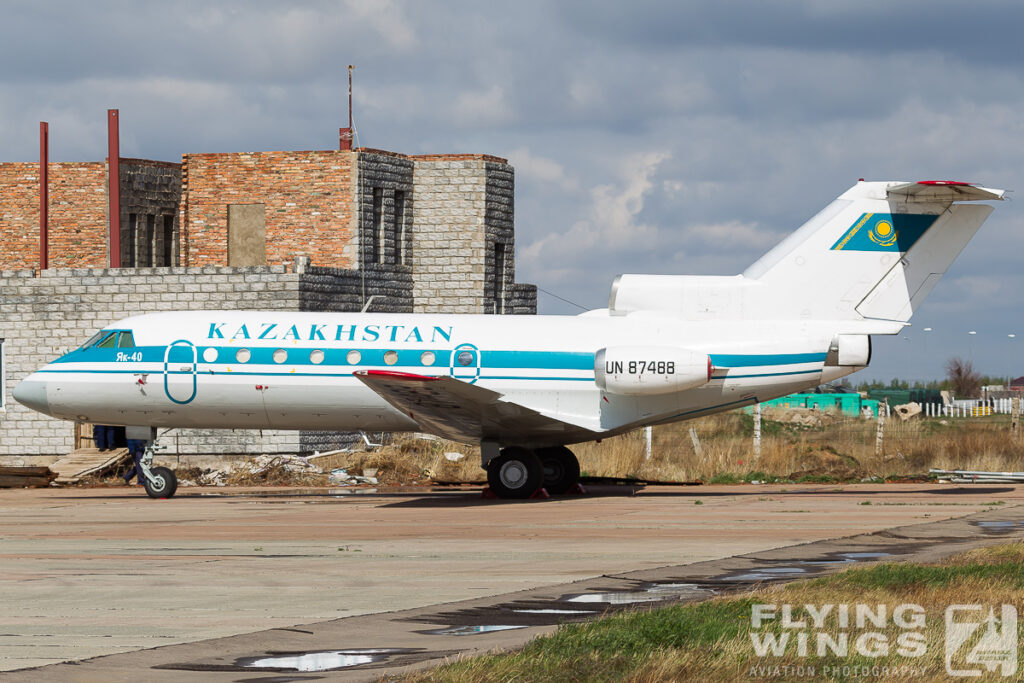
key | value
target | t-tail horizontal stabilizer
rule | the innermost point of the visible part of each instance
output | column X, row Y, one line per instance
column 873, row 254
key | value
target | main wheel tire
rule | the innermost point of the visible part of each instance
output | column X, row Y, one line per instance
column 561, row 469
column 516, row 473
column 164, row 484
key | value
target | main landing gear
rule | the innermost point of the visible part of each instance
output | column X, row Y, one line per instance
column 519, row 472
column 160, row 482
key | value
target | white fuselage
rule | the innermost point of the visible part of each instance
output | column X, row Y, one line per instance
column 237, row 369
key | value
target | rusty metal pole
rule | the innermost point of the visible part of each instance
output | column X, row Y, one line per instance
column 345, row 135
column 114, row 187
column 44, row 195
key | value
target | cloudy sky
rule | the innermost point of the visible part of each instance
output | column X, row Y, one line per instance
column 660, row 137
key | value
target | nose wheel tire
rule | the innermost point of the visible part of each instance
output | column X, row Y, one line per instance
column 561, row 469
column 163, row 485
column 516, row 473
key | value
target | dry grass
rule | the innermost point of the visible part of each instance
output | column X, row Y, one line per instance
column 829, row 447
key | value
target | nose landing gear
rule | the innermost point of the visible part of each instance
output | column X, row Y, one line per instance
column 160, row 482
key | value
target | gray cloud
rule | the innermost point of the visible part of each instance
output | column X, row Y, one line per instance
column 665, row 137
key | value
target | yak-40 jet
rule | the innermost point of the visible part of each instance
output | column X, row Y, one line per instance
column 667, row 348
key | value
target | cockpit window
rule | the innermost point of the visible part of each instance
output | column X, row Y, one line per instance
column 126, row 340
column 95, row 338
column 109, row 342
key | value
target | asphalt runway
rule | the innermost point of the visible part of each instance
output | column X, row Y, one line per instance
column 107, row 584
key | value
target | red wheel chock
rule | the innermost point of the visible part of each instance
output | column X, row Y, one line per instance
column 577, row 490
column 488, row 494
column 540, row 494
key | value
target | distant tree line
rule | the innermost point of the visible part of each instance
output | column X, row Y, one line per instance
column 961, row 379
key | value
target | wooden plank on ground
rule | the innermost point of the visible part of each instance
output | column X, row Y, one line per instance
column 22, row 477
column 86, row 461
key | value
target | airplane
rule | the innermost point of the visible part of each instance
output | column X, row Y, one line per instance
column 667, row 348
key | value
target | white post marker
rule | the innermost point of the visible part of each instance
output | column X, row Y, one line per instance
column 1015, row 418
column 696, row 443
column 883, row 408
column 757, row 430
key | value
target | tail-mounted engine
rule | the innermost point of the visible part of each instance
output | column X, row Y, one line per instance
column 648, row 370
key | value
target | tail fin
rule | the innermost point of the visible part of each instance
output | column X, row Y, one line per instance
column 876, row 252
column 873, row 253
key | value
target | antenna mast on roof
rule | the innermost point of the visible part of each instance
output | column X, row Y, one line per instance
column 346, row 135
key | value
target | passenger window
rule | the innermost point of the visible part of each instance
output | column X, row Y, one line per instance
column 109, row 342
column 126, row 341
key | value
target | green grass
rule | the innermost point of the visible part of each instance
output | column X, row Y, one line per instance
column 711, row 640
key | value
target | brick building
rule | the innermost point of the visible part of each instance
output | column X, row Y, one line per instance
column 302, row 231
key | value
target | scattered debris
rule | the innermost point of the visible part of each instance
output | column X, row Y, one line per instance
column 26, row 477
column 340, row 477
column 971, row 477
column 454, row 457
column 801, row 417
column 907, row 410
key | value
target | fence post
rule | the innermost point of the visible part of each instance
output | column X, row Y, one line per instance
column 696, row 443
column 647, row 442
column 757, row 430
column 1015, row 419
column 880, row 434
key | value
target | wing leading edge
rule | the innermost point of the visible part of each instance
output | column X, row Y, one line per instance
column 464, row 412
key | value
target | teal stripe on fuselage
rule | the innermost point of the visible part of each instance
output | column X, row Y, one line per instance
column 745, row 360
column 410, row 359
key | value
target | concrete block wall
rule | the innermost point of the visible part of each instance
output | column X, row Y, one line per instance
column 499, row 229
column 149, row 188
column 449, row 241
column 337, row 290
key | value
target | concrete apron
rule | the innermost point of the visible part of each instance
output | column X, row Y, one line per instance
column 405, row 640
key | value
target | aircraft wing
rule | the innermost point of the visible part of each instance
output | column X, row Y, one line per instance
column 457, row 410
column 942, row 191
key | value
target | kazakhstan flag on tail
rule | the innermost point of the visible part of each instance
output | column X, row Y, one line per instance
column 884, row 232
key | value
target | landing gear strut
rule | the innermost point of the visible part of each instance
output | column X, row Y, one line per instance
column 160, row 482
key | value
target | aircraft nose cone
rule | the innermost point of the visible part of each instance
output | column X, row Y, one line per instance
column 32, row 393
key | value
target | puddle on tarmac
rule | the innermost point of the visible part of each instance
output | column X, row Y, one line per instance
column 616, row 598
column 318, row 661
column 677, row 588
column 339, row 493
column 800, row 567
column 654, row 592
column 554, row 611
column 767, row 574
column 471, row 630
column 999, row 527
